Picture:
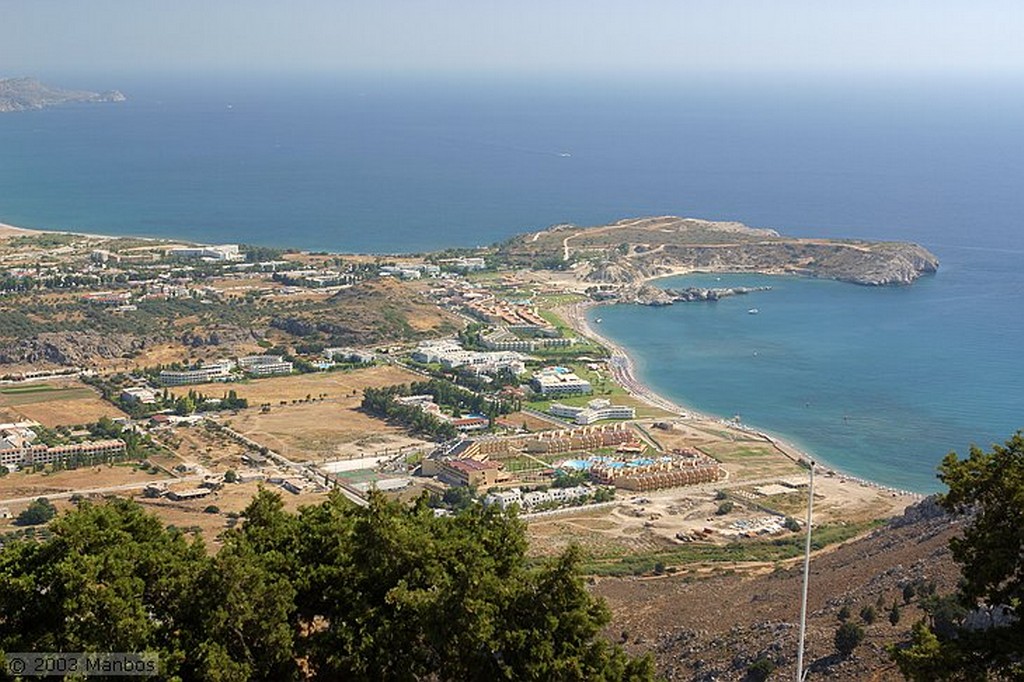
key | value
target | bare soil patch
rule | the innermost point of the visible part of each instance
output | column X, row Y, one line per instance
column 25, row 484
column 332, row 429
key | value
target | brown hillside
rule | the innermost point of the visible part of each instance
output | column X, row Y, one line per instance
column 702, row 627
column 380, row 310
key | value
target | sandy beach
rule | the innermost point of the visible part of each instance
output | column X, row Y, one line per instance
column 12, row 231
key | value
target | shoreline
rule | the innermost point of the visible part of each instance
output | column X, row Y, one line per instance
column 15, row 231
column 623, row 371
column 621, row 364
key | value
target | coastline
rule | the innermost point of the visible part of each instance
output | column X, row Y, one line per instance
column 14, row 231
column 623, row 371
column 621, row 364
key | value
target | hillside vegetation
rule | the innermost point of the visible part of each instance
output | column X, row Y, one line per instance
column 335, row 592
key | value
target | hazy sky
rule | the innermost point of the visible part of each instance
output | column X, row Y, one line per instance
column 516, row 36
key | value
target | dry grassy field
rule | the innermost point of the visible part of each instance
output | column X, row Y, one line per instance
column 24, row 484
column 213, row 450
column 56, row 403
column 345, row 386
column 230, row 498
column 327, row 425
column 331, row 429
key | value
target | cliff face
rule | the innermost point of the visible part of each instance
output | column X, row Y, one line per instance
column 22, row 94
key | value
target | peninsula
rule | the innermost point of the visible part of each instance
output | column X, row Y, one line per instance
column 634, row 250
column 27, row 94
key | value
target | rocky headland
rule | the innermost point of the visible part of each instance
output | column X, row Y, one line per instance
column 632, row 251
column 26, row 94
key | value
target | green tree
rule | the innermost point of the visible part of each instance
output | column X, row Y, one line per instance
column 894, row 614
column 847, row 637
column 987, row 488
column 761, row 669
column 383, row 592
column 40, row 511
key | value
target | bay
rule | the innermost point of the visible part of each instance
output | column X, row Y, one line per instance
column 880, row 382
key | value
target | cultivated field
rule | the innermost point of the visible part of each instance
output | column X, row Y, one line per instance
column 57, row 403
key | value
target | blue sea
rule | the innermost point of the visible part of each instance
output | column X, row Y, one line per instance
column 878, row 382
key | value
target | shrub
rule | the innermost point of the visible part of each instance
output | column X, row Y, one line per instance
column 39, row 512
column 848, row 636
column 894, row 614
column 761, row 669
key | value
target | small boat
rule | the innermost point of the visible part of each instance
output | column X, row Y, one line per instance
column 753, row 311
column 598, row 320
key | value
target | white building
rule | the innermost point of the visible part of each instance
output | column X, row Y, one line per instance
column 139, row 394
column 450, row 355
column 404, row 272
column 217, row 371
column 471, row 263
column 264, row 365
column 506, row 498
column 349, row 355
column 596, row 410
column 224, row 252
column 559, row 381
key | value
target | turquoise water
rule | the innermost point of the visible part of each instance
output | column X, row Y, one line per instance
column 881, row 382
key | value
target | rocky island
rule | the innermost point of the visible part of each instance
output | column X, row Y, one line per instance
column 27, row 94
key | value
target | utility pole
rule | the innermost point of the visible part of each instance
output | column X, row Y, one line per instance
column 800, row 672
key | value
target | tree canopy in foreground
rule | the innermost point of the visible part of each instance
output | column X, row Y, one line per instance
column 333, row 592
column 987, row 487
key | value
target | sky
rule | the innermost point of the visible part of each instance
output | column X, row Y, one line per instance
column 590, row 37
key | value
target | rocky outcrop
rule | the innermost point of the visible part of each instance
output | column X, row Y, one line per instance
column 70, row 349
column 22, row 94
column 219, row 336
column 692, row 294
column 647, row 294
